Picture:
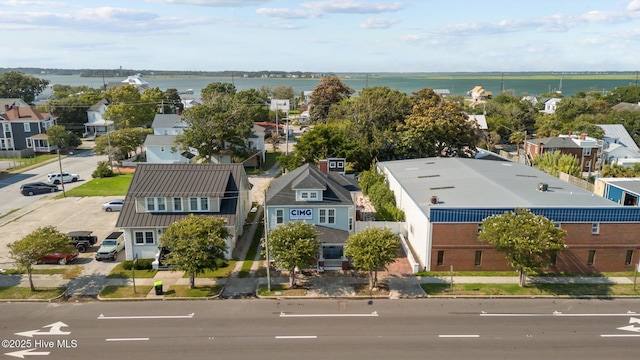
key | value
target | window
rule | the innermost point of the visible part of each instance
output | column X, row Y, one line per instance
column 586, row 151
column 144, row 237
column 629, row 257
column 587, row 164
column 340, row 164
column 592, row 257
column 440, row 260
column 7, row 128
column 332, row 164
column 177, row 204
column 279, row 216
column 327, row 216
column 595, row 228
column 558, row 225
column 479, row 229
column 29, row 143
column 304, row 195
column 478, row 261
column 156, row 204
column 350, row 224
column 198, row 204
column 554, row 259
column 27, row 127
column 313, row 195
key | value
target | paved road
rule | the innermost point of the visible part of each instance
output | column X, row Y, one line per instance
column 330, row 329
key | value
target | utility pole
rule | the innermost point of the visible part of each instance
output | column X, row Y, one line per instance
column 266, row 240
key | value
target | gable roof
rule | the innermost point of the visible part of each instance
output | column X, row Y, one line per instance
column 560, row 142
column 479, row 120
column 181, row 180
column 624, row 106
column 619, row 134
column 167, row 121
column 336, row 187
column 7, row 102
column 97, row 106
column 24, row 114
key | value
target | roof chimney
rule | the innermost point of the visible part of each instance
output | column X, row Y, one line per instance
column 323, row 165
column 583, row 136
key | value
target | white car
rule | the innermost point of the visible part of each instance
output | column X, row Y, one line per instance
column 56, row 178
column 113, row 205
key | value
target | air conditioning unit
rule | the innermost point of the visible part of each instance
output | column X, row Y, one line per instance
column 543, row 187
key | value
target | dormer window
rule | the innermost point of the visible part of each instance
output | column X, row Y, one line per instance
column 307, row 195
column 154, row 204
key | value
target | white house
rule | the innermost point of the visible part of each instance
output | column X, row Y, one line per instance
column 161, row 145
column 619, row 147
column 96, row 124
column 550, row 105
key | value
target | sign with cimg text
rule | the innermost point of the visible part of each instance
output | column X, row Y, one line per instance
column 300, row 214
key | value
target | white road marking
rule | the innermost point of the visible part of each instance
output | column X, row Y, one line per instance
column 374, row 314
column 619, row 335
column 555, row 314
column 127, row 339
column 297, row 337
column 459, row 336
column 102, row 317
column 54, row 329
column 22, row 353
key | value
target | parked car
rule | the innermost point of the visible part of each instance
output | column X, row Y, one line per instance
column 82, row 240
column 113, row 205
column 57, row 178
column 60, row 258
column 111, row 246
column 37, row 188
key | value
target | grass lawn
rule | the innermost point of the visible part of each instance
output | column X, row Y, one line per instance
column 280, row 290
column 245, row 270
column 111, row 186
column 531, row 289
column 270, row 160
column 22, row 293
column 514, row 273
column 119, row 272
column 199, row 291
column 363, row 290
column 21, row 163
column 117, row 292
column 222, row 272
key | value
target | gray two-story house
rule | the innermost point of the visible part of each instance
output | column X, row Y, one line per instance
column 326, row 200
column 23, row 127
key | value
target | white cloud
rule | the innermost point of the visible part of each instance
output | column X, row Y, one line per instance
column 634, row 5
column 377, row 23
column 287, row 13
column 352, row 7
column 214, row 3
column 27, row 3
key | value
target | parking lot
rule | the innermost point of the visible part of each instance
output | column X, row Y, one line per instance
column 67, row 214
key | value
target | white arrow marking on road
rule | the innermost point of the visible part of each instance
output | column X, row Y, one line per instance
column 631, row 327
column 54, row 330
column 21, row 354
column 102, row 317
column 282, row 314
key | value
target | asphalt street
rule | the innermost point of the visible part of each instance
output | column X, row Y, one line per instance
column 325, row 329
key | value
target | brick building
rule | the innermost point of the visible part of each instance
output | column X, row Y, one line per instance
column 585, row 149
column 446, row 199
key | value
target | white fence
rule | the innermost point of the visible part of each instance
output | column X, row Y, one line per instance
column 394, row 226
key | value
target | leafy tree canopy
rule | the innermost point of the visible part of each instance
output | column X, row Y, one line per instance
column 213, row 91
column 14, row 84
column 123, row 142
column 330, row 91
column 371, row 250
column 196, row 243
column 37, row 244
column 556, row 161
column 528, row 240
column 293, row 245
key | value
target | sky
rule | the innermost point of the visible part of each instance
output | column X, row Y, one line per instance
column 322, row 36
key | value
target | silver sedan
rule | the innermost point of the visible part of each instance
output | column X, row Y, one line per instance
column 113, row 205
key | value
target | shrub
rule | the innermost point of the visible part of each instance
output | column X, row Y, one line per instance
column 143, row 264
column 102, row 171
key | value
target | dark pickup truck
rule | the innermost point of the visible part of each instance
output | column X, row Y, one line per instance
column 82, row 240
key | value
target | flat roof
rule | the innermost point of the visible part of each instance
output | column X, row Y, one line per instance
column 477, row 183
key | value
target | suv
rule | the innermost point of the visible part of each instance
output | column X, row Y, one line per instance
column 37, row 188
column 111, row 246
column 56, row 178
column 82, row 240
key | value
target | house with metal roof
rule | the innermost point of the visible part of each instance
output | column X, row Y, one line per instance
column 446, row 199
column 326, row 200
column 619, row 147
column 161, row 194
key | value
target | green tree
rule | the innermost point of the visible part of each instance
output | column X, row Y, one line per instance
column 371, row 250
column 517, row 138
column 293, row 245
column 330, row 91
column 528, row 240
column 215, row 128
column 437, row 128
column 123, row 142
column 196, row 243
column 555, row 161
column 628, row 94
column 256, row 103
column 129, row 108
column 71, row 110
column 175, row 101
column 37, row 244
column 215, row 90
column 14, row 84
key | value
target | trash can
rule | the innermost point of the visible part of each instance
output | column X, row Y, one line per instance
column 158, row 286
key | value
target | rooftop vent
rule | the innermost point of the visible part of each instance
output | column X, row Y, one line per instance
column 543, row 187
column 434, row 199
